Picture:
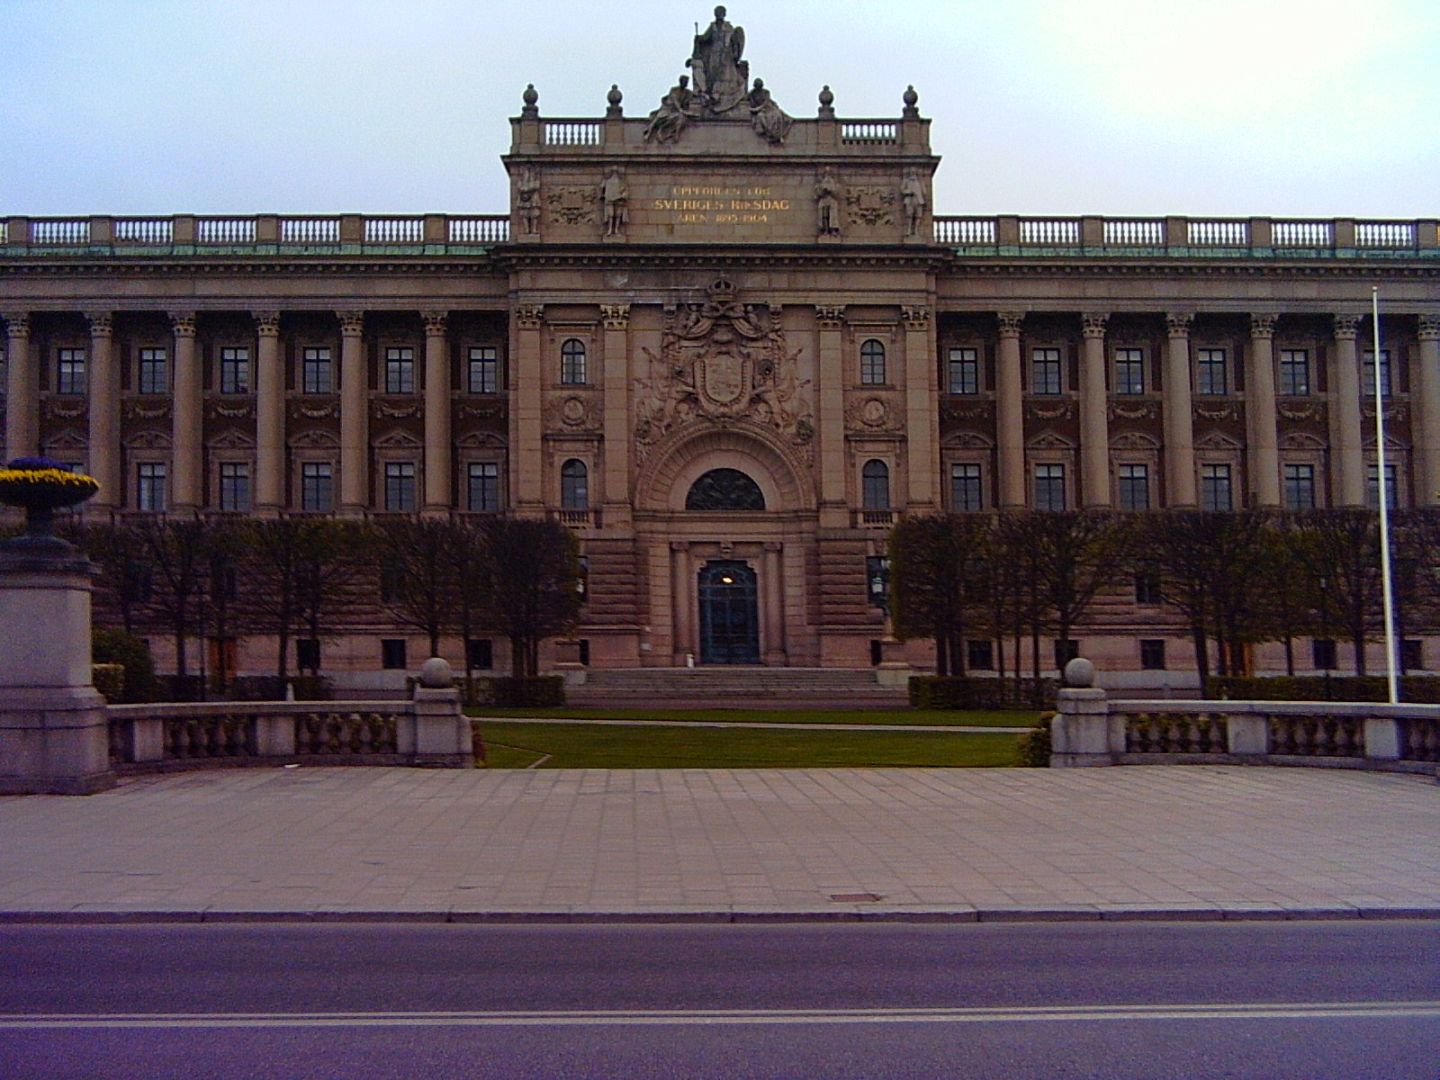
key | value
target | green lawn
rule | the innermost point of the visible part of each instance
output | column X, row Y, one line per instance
column 918, row 717
column 578, row 746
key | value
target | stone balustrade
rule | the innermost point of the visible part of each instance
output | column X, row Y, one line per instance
column 1091, row 729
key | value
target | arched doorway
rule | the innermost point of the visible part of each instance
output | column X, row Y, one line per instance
column 729, row 614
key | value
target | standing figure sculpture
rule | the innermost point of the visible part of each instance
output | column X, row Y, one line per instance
column 912, row 195
column 613, row 197
column 675, row 111
column 767, row 118
column 719, row 72
column 827, row 204
column 527, row 198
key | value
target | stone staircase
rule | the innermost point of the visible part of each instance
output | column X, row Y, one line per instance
column 727, row 686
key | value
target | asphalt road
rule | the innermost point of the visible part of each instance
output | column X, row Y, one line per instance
column 1106, row 1000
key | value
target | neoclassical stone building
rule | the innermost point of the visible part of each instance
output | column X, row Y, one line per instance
column 727, row 347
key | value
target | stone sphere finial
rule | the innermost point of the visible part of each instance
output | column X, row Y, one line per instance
column 910, row 97
column 827, row 99
column 1079, row 674
column 614, row 97
column 531, row 95
column 435, row 674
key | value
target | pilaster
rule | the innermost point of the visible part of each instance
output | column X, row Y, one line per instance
column 1010, row 412
column 439, row 485
column 1349, row 486
column 922, row 420
column 526, row 425
column 616, row 361
column 186, row 415
column 269, row 416
column 830, row 323
column 354, row 415
column 104, row 393
column 22, row 400
column 1426, row 432
column 1263, row 459
column 1179, row 418
column 1094, row 420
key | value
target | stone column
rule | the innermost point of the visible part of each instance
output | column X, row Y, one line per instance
column 186, row 416
column 104, row 392
column 22, row 399
column 1348, row 450
column 1094, row 412
column 354, row 415
column 1263, row 464
column 616, row 358
column 526, row 424
column 269, row 416
column 922, row 420
column 1426, row 430
column 683, row 608
column 439, row 484
column 1179, row 416
column 1010, row 412
column 774, row 601
column 830, row 374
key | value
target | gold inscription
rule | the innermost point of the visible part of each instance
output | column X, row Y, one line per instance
column 716, row 204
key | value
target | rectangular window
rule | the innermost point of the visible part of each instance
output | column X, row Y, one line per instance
column 70, row 371
column 980, row 655
column 1215, row 488
column 153, row 378
column 1412, row 656
column 1152, row 654
column 877, row 580
column 1372, row 487
column 963, row 371
column 317, row 486
column 1134, row 487
column 399, row 370
column 1212, row 372
column 1295, row 372
column 965, row 490
column 392, row 654
column 1367, row 375
column 1322, row 654
column 1049, row 487
column 1147, row 585
column 1066, row 649
column 1129, row 371
column 484, row 487
column 150, row 486
column 1045, row 377
column 400, row 486
column 234, row 485
column 481, row 653
column 234, row 370
column 317, row 373
column 483, row 374
column 1299, row 487
column 307, row 654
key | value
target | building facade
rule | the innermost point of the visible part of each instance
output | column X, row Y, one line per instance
column 728, row 347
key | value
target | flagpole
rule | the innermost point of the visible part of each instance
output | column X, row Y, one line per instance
column 1386, row 588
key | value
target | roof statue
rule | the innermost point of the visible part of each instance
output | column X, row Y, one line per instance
column 717, row 88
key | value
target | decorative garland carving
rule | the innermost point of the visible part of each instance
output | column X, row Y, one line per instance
column 396, row 412
column 1218, row 413
column 1064, row 410
column 327, row 410
column 233, row 412
column 1309, row 411
column 134, row 410
column 721, row 361
column 489, row 410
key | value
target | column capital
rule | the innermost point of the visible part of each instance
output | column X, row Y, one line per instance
column 916, row 316
column 1092, row 323
column 773, row 545
column 101, row 323
column 435, row 322
column 17, row 323
column 830, row 316
column 1177, row 323
column 1430, row 327
column 529, row 316
column 1346, row 326
column 1009, row 323
column 615, row 316
column 267, row 323
column 1262, row 326
column 182, row 322
column 352, row 323
column 679, row 545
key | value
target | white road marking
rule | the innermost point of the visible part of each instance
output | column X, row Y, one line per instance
column 1301, row 1010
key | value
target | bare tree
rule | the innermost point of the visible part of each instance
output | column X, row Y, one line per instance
column 934, row 581
column 419, row 587
column 532, row 577
column 1344, row 545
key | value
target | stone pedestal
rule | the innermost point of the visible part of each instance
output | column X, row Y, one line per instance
column 893, row 669
column 1083, row 731
column 441, row 733
column 54, row 735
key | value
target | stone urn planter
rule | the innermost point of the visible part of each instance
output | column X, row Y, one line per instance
column 40, row 486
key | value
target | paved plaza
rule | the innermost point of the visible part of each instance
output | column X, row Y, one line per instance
column 390, row 843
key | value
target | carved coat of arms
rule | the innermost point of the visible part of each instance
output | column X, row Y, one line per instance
column 722, row 361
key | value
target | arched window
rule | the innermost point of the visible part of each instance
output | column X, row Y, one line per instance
column 572, row 362
column 725, row 489
column 875, row 485
column 574, row 486
column 872, row 363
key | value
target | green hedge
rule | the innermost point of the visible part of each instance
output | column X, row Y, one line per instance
column 109, row 679
column 954, row 692
column 1423, row 689
column 542, row 692
column 1035, row 744
column 117, row 647
column 272, row 688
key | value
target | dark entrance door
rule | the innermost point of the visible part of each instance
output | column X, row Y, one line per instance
column 729, row 619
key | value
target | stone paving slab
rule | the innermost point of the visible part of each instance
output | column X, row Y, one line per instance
column 388, row 844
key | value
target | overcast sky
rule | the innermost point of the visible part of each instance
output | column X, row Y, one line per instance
column 1204, row 107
